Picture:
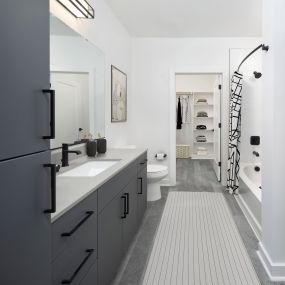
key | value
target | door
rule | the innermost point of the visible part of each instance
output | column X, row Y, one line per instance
column 217, row 127
column 24, row 73
column 130, row 223
column 142, row 193
column 110, row 240
column 25, row 228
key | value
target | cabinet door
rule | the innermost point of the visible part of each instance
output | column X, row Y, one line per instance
column 24, row 72
column 110, row 240
column 142, row 193
column 130, row 223
column 25, row 229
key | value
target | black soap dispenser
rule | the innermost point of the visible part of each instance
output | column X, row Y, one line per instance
column 101, row 144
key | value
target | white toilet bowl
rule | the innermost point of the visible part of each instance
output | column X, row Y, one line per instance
column 155, row 173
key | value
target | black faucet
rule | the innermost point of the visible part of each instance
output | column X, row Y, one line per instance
column 65, row 153
column 256, row 153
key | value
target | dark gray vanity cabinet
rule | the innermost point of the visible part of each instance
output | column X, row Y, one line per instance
column 142, row 193
column 74, row 244
column 25, row 239
column 110, row 239
column 24, row 73
column 130, row 220
column 121, row 203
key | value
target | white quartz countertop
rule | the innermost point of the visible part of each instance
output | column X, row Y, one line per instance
column 71, row 190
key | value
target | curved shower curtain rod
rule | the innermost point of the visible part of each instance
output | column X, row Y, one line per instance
column 262, row 46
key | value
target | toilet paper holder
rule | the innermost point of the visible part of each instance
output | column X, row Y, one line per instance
column 164, row 155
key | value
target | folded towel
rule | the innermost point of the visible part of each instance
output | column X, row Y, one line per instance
column 201, row 139
column 201, row 100
column 201, row 127
column 202, row 114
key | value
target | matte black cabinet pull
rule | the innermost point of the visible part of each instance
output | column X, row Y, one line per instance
column 69, row 281
column 52, row 188
column 52, row 113
column 88, row 215
column 141, row 190
column 125, row 206
column 128, row 203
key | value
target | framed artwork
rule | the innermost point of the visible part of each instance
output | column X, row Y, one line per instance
column 119, row 95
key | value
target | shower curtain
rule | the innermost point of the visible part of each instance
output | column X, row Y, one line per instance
column 234, row 133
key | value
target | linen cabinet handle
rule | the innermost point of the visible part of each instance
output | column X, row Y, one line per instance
column 52, row 113
column 52, row 188
column 125, row 207
column 69, row 281
column 127, row 203
column 141, row 190
column 69, row 234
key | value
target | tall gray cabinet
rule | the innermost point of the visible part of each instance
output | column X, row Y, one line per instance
column 25, row 127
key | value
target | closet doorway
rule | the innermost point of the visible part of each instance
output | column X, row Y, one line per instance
column 198, row 118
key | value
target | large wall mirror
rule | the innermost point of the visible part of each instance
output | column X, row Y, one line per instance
column 77, row 76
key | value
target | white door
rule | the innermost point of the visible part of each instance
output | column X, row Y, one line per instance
column 67, row 105
column 217, row 126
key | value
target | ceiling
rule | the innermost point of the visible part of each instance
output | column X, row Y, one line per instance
column 190, row 18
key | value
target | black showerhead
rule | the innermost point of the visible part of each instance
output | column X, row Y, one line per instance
column 257, row 74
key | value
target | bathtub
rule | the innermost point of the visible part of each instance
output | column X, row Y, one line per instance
column 249, row 198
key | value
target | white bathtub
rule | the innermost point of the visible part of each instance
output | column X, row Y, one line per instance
column 249, row 198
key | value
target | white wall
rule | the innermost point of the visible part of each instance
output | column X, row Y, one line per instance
column 272, row 248
column 195, row 82
column 252, row 112
column 107, row 33
column 152, row 61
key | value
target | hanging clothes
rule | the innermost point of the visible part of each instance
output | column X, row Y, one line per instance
column 179, row 116
column 234, row 133
column 186, row 109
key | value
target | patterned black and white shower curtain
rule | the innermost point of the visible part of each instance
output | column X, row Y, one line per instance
column 234, row 133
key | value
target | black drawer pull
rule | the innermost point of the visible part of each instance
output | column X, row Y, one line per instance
column 142, row 163
column 125, row 207
column 128, row 203
column 52, row 113
column 141, row 190
column 88, row 215
column 69, row 281
column 52, row 188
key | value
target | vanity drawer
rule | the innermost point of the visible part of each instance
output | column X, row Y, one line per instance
column 76, row 226
column 74, row 265
column 142, row 161
column 113, row 187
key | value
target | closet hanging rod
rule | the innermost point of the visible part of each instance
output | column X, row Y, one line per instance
column 262, row 46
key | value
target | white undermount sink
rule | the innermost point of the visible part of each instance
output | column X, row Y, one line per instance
column 89, row 169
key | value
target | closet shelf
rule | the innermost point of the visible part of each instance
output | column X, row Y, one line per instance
column 204, row 105
column 203, row 117
column 208, row 142
column 203, row 130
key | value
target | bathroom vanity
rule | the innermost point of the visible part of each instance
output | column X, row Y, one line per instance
column 97, row 216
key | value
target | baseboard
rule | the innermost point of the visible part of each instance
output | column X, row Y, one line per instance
column 254, row 224
column 275, row 270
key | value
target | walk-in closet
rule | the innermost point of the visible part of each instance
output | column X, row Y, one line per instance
column 198, row 128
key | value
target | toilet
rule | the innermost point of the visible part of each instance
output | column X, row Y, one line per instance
column 155, row 173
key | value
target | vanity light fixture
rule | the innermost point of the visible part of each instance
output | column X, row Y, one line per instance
column 78, row 8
